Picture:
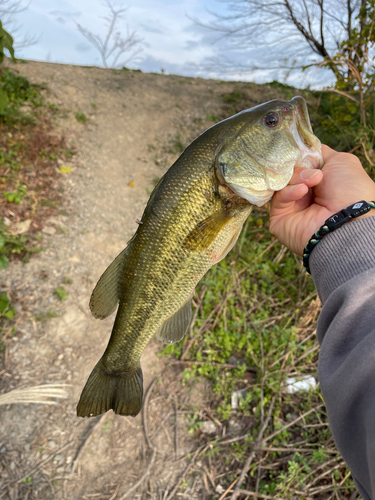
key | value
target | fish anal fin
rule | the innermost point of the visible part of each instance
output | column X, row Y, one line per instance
column 105, row 296
column 175, row 327
column 205, row 233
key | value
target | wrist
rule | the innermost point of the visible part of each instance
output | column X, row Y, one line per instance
column 369, row 214
column 335, row 221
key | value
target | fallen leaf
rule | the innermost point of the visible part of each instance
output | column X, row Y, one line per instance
column 49, row 230
column 20, row 227
column 65, row 170
column 131, row 184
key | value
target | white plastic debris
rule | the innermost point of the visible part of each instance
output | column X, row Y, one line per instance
column 236, row 399
column 302, row 383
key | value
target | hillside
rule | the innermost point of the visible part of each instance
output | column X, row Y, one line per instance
column 126, row 128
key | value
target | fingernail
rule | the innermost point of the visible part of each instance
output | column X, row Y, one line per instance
column 308, row 174
column 295, row 186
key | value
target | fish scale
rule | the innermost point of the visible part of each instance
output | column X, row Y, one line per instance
column 155, row 277
column 191, row 221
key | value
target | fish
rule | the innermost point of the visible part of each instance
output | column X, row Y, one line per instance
column 192, row 220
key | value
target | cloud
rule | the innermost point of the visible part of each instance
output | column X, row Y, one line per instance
column 82, row 47
column 171, row 40
column 192, row 44
column 64, row 14
column 152, row 29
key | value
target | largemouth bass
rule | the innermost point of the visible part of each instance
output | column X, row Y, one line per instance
column 192, row 220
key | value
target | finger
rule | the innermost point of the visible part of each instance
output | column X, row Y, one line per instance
column 334, row 157
column 309, row 176
column 327, row 153
column 285, row 199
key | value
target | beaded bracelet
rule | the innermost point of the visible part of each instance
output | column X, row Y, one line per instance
column 333, row 223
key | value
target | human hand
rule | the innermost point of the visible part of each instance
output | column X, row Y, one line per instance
column 298, row 210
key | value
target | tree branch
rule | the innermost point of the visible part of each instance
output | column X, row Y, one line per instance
column 114, row 44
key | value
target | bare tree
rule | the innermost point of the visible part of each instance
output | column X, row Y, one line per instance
column 297, row 33
column 115, row 44
column 8, row 12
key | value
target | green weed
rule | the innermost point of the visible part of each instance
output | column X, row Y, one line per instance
column 61, row 293
column 69, row 153
column 45, row 315
column 15, row 91
column 54, row 107
column 212, row 118
column 81, row 118
column 193, row 423
column 233, row 97
column 6, row 310
column 176, row 145
column 15, row 197
column 7, row 314
column 28, row 157
column 10, row 244
column 49, row 203
column 257, row 310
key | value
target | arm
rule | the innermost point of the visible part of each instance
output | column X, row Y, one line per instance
column 343, row 269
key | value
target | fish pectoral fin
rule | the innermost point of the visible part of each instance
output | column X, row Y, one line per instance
column 226, row 249
column 204, row 234
column 175, row 327
column 105, row 296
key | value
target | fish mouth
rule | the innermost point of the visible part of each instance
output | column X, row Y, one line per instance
column 254, row 176
column 310, row 156
column 308, row 144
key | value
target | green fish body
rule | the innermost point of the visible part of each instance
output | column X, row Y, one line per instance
column 192, row 220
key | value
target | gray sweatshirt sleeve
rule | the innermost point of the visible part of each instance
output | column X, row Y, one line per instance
column 343, row 269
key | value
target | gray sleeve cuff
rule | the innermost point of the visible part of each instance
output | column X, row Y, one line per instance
column 342, row 255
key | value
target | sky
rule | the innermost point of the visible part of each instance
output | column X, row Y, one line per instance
column 171, row 41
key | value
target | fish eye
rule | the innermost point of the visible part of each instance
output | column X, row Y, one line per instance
column 271, row 120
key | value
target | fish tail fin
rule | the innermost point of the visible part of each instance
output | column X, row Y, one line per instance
column 104, row 390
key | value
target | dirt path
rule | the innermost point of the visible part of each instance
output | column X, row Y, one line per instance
column 121, row 150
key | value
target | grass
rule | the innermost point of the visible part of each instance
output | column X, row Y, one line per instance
column 7, row 325
column 45, row 315
column 257, row 311
column 176, row 145
column 29, row 179
column 254, row 327
column 81, row 118
column 61, row 293
column 30, row 190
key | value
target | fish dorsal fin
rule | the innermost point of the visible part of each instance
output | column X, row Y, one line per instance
column 175, row 327
column 105, row 296
column 204, row 233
